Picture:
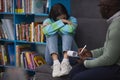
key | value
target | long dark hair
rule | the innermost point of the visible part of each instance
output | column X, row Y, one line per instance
column 57, row 10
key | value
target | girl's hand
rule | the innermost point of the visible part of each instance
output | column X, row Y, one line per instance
column 66, row 21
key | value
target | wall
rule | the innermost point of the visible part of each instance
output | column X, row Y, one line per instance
column 92, row 28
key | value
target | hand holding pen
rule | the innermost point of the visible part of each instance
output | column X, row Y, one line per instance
column 84, row 53
column 82, row 49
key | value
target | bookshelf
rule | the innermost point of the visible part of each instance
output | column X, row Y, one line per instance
column 16, row 19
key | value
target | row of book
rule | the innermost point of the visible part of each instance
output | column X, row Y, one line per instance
column 26, row 58
column 30, row 32
column 7, row 56
column 25, row 32
column 6, row 29
column 6, row 6
column 31, row 6
column 24, row 6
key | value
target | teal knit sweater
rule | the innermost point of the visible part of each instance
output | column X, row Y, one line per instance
column 58, row 26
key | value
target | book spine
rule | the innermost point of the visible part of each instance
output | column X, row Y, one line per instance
column 28, row 58
column 17, row 56
column 1, row 6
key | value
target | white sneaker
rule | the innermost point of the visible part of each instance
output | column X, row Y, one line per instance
column 65, row 68
column 56, row 70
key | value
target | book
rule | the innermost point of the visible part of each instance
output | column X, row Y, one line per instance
column 6, row 5
column 8, row 28
column 29, row 59
column 39, row 60
column 4, row 54
column 19, row 6
column 11, row 54
column 4, row 31
column 1, row 31
column 23, row 60
column 1, row 57
column 19, row 50
column 1, row 6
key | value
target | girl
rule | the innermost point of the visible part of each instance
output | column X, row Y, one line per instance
column 59, row 23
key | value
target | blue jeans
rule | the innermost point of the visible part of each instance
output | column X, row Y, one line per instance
column 53, row 46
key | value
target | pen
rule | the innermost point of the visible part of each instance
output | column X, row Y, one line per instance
column 83, row 49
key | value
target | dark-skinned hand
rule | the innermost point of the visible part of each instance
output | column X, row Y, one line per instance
column 85, row 54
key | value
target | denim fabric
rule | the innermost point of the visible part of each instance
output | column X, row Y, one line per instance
column 68, row 43
column 52, row 43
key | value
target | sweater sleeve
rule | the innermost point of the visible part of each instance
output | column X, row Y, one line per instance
column 52, row 27
column 111, row 51
column 97, row 52
column 69, row 28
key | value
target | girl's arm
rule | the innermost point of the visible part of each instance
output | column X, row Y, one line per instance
column 70, row 25
column 50, row 28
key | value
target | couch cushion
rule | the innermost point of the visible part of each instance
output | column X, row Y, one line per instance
column 85, row 8
column 91, row 32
